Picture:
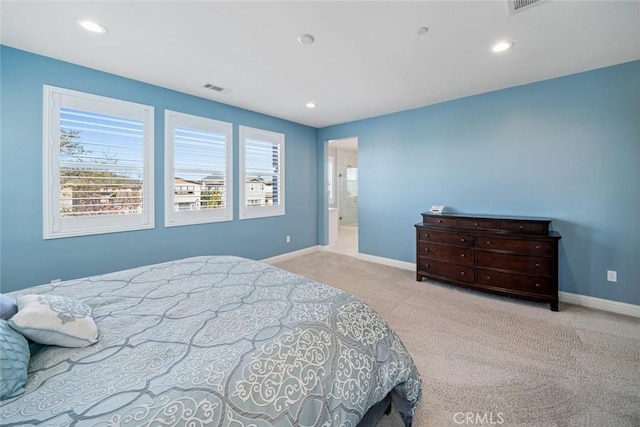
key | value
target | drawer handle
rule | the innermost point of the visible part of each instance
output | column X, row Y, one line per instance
column 439, row 221
column 462, row 240
column 462, row 273
column 488, row 242
column 426, row 249
column 428, row 235
column 475, row 223
column 537, row 285
column 426, row 266
column 462, row 255
column 521, row 227
column 488, row 277
column 537, row 264
column 537, row 246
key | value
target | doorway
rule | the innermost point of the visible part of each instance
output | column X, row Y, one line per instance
column 342, row 186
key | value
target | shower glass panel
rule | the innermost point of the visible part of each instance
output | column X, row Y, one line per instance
column 348, row 187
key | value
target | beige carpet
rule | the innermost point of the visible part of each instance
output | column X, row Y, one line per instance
column 496, row 360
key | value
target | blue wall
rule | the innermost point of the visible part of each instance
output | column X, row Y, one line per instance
column 28, row 260
column 567, row 148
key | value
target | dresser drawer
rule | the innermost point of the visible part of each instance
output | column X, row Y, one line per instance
column 529, row 247
column 517, row 263
column 447, row 270
column 440, row 221
column 525, row 227
column 458, row 239
column 446, row 253
column 516, row 282
column 478, row 223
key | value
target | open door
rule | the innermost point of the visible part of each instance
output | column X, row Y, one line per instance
column 342, row 186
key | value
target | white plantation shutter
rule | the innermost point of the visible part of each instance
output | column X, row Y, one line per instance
column 262, row 173
column 198, row 170
column 262, row 166
column 101, row 164
column 98, row 164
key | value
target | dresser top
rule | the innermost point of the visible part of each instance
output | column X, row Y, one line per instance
column 500, row 217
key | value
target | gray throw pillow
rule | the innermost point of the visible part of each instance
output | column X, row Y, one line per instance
column 8, row 307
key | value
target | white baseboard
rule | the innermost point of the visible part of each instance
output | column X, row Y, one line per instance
column 600, row 304
column 290, row 255
column 388, row 261
column 576, row 299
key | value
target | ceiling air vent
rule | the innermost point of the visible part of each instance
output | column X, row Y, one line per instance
column 520, row 5
column 217, row 88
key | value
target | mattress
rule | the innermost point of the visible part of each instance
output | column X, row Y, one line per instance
column 216, row 341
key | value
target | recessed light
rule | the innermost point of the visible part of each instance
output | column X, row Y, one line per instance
column 501, row 46
column 93, row 27
column 310, row 105
column 306, row 39
column 422, row 30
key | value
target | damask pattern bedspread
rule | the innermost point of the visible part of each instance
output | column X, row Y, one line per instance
column 216, row 341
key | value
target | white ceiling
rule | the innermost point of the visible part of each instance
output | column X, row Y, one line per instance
column 367, row 60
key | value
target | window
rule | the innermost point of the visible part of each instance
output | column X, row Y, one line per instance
column 261, row 173
column 98, row 164
column 198, row 170
column 352, row 181
column 330, row 179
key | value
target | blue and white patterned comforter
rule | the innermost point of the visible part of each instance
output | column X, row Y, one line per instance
column 216, row 341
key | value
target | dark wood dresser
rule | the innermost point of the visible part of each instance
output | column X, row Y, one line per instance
column 513, row 256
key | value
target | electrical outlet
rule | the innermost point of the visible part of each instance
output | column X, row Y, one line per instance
column 288, row 239
column 612, row 276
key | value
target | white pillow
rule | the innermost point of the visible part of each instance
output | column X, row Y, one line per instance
column 55, row 320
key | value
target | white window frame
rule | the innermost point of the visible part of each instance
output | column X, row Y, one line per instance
column 250, row 212
column 177, row 218
column 55, row 226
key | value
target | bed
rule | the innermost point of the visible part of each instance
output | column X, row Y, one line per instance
column 217, row 341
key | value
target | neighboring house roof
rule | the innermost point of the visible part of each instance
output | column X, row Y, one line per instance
column 179, row 181
column 217, row 176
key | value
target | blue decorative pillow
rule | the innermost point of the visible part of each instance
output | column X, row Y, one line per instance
column 55, row 320
column 14, row 358
column 8, row 307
